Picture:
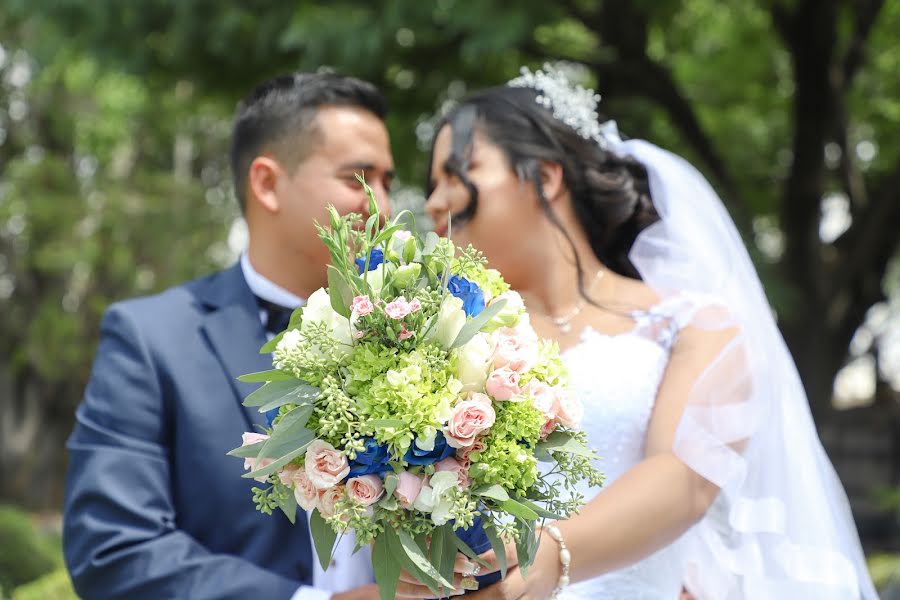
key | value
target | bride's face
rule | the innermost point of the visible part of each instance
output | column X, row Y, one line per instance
column 507, row 213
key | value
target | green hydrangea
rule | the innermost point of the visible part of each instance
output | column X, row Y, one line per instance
column 506, row 459
column 415, row 389
column 549, row 368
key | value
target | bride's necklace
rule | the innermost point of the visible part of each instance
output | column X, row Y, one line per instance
column 564, row 322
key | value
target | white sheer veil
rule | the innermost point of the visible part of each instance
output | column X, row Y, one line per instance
column 781, row 527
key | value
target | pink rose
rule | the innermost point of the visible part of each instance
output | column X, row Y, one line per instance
column 286, row 475
column 408, row 488
column 366, row 489
column 547, row 428
column 325, row 466
column 397, row 309
column 503, row 384
column 415, row 305
column 544, row 397
column 328, row 498
column 305, row 493
column 453, row 465
column 468, row 419
column 362, row 306
column 251, row 464
column 514, row 349
column 463, row 454
column 404, row 334
column 570, row 410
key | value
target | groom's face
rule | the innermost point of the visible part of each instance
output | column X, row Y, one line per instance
column 347, row 141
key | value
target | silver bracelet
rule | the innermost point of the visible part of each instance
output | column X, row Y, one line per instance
column 565, row 558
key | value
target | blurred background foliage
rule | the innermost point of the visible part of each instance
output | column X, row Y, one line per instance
column 114, row 126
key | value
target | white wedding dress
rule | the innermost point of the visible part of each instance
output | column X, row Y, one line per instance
column 617, row 377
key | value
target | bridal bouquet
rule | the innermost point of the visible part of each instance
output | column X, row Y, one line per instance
column 413, row 400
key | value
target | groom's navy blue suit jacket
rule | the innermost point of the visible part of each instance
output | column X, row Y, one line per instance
column 154, row 508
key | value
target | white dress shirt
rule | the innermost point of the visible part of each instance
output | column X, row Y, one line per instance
column 347, row 570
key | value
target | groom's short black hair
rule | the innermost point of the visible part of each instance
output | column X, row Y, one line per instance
column 278, row 116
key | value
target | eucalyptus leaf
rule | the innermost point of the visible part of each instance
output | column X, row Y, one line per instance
column 339, row 292
column 540, row 510
column 564, row 441
column 526, row 545
column 386, row 234
column 288, row 505
column 292, row 391
column 296, row 318
column 289, row 440
column 291, row 423
column 518, row 509
column 266, row 376
column 269, row 347
column 390, row 483
column 475, row 324
column 467, row 550
column 370, row 224
column 493, row 491
column 323, row 538
column 415, row 554
column 251, row 451
column 385, row 564
column 389, row 503
column 443, row 550
column 431, row 242
column 497, row 544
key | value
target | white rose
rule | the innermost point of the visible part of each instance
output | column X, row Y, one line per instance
column 318, row 310
column 426, row 440
column 474, row 362
column 286, row 349
column 441, row 483
column 450, row 319
column 375, row 279
column 511, row 313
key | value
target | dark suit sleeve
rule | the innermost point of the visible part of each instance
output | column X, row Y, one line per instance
column 121, row 538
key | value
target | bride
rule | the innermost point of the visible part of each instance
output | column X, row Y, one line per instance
column 716, row 480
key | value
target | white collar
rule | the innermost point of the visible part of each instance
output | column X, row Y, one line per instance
column 266, row 289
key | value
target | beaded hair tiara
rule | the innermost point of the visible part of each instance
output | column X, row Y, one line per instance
column 574, row 105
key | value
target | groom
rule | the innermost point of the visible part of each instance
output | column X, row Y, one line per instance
column 154, row 508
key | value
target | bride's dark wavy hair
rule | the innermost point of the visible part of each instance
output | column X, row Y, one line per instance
column 610, row 194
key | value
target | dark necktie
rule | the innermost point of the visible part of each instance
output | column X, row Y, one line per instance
column 277, row 317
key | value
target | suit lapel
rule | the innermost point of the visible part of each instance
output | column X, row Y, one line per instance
column 236, row 334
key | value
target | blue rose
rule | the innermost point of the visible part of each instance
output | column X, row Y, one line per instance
column 417, row 456
column 468, row 292
column 376, row 257
column 373, row 460
column 271, row 414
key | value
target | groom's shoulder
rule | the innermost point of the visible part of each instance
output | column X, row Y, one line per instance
column 179, row 303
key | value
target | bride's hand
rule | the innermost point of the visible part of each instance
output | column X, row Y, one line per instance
column 543, row 575
column 410, row 587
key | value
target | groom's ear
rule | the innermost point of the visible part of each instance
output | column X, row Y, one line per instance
column 552, row 180
column 262, row 180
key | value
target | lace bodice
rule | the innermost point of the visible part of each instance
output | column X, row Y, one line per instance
column 617, row 378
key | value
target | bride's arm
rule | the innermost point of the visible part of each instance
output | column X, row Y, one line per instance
column 649, row 506
column 658, row 499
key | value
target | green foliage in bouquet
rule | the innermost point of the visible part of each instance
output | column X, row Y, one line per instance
column 410, row 398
